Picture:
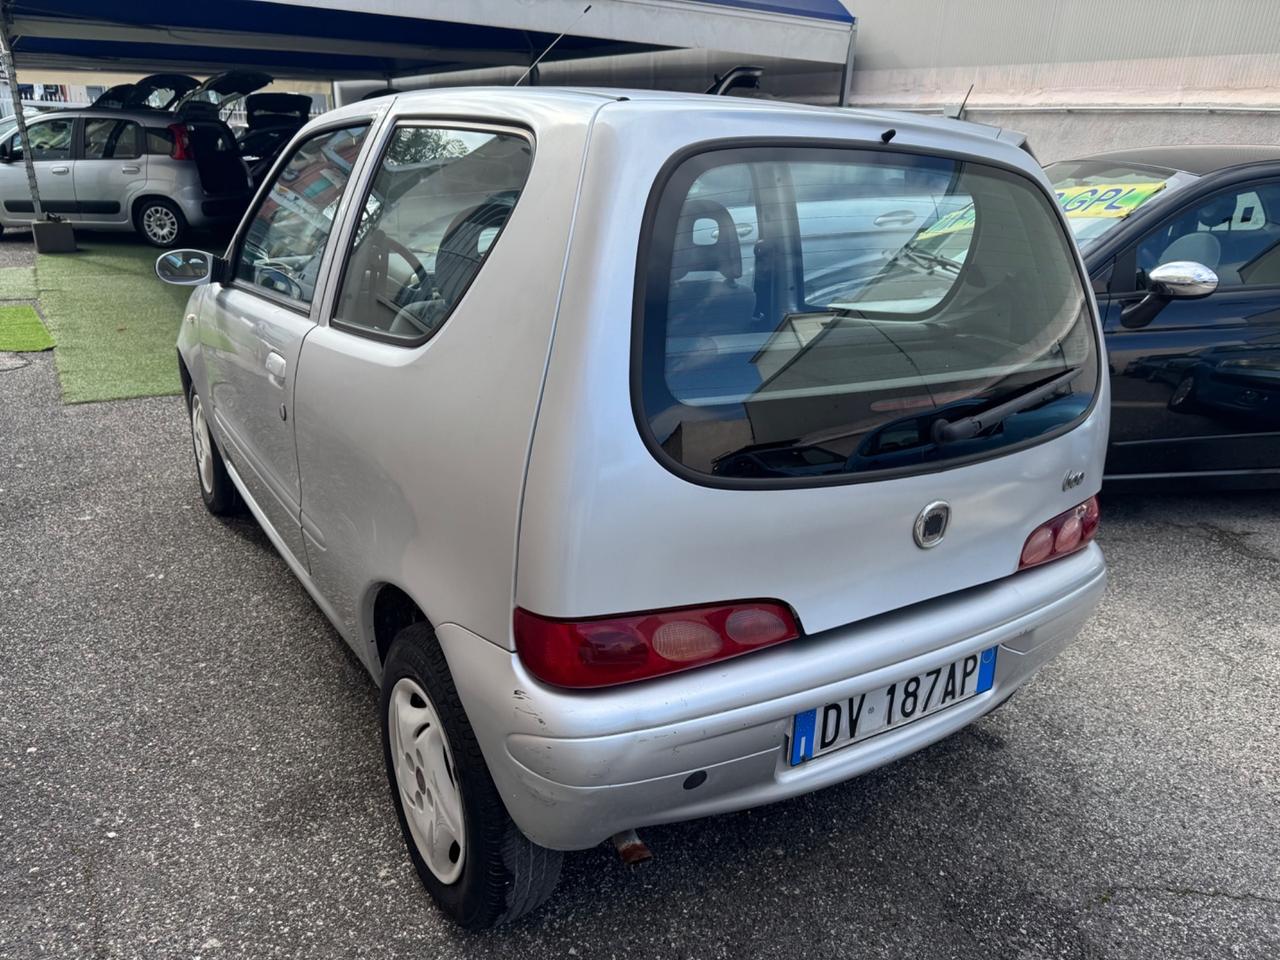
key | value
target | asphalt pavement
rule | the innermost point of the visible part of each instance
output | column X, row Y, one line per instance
column 190, row 766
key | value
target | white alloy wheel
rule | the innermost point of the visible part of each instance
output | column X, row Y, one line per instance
column 160, row 224
column 203, row 444
column 426, row 780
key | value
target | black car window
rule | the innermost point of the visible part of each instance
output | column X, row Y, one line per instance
column 1234, row 232
column 106, row 139
column 285, row 240
column 875, row 298
column 434, row 211
column 50, row 140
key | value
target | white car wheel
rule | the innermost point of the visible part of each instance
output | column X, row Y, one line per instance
column 203, row 444
column 426, row 778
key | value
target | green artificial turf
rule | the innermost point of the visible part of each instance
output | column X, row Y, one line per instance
column 116, row 324
column 17, row 283
column 21, row 330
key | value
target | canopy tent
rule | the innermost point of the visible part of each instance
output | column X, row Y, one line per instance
column 347, row 39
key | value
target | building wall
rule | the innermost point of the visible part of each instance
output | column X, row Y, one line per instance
column 1079, row 76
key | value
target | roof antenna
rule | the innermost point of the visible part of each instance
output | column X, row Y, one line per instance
column 959, row 113
column 550, row 45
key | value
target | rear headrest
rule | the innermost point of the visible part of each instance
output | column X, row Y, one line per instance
column 723, row 255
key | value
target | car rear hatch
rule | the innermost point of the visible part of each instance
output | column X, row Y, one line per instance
column 857, row 380
column 220, row 91
column 159, row 91
column 263, row 110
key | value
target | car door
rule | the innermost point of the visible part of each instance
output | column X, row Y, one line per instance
column 109, row 170
column 1197, row 390
column 51, row 141
column 253, row 326
column 376, row 451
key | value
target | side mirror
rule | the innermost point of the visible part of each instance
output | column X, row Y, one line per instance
column 186, row 268
column 1178, row 280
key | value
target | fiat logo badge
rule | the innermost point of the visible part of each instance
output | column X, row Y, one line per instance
column 931, row 524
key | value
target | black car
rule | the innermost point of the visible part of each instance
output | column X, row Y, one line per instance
column 1195, row 367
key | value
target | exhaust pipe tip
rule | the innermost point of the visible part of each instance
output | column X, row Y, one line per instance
column 631, row 849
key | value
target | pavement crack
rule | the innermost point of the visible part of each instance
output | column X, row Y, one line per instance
column 1235, row 541
column 1183, row 891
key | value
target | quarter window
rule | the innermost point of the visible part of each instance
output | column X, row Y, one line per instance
column 285, row 241
column 434, row 212
column 1235, row 233
column 111, row 140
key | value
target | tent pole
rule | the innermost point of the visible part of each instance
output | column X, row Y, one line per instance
column 11, row 75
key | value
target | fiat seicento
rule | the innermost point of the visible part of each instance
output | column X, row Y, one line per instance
column 659, row 455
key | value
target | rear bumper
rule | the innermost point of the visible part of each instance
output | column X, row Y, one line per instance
column 576, row 767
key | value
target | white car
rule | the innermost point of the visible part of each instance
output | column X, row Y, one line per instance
column 651, row 461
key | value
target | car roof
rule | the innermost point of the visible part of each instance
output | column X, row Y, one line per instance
column 586, row 100
column 1198, row 159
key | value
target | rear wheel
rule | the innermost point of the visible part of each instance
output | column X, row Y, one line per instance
column 161, row 223
column 472, row 858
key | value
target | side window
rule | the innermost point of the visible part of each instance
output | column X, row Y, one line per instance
column 106, row 139
column 1236, row 233
column 435, row 209
column 285, row 240
column 50, row 140
column 159, row 141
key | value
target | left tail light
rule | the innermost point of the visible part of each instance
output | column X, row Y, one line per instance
column 604, row 651
column 1066, row 533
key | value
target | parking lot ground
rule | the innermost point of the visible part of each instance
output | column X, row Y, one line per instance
column 190, row 767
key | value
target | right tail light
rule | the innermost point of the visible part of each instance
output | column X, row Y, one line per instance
column 181, row 149
column 1066, row 533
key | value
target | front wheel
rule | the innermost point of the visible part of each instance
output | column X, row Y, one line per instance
column 1183, row 399
column 472, row 858
column 161, row 223
column 216, row 489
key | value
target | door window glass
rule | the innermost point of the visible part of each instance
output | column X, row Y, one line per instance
column 1235, row 233
column 50, row 140
column 111, row 139
column 433, row 214
column 286, row 238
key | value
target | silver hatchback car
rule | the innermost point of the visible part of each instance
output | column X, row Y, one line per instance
column 152, row 171
column 659, row 455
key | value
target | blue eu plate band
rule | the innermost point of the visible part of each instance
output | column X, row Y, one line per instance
column 802, row 736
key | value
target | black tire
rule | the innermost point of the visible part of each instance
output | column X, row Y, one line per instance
column 216, row 489
column 161, row 223
column 504, row 874
column 1183, row 399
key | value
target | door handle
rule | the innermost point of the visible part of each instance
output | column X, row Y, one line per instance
column 131, row 168
column 60, row 170
column 895, row 218
column 276, row 365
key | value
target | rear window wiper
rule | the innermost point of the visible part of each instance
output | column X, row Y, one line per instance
column 929, row 261
column 946, row 431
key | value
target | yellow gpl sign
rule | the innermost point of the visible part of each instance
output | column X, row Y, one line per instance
column 1106, row 199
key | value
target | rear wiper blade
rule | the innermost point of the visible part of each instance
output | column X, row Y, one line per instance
column 945, row 431
column 930, row 261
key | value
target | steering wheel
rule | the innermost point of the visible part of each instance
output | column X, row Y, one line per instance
column 407, row 255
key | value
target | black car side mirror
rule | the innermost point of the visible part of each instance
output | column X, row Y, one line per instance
column 1178, row 280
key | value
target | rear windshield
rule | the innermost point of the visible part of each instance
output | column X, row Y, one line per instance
column 814, row 313
column 1098, row 195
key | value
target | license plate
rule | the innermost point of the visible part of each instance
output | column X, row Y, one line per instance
column 835, row 725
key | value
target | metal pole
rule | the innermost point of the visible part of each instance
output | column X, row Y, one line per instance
column 846, row 72
column 10, row 72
